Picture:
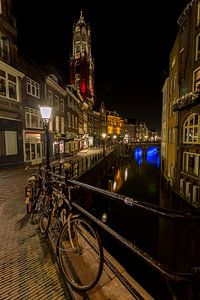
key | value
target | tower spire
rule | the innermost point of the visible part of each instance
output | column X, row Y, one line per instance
column 81, row 20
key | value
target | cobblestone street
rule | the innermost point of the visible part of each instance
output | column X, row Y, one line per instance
column 27, row 266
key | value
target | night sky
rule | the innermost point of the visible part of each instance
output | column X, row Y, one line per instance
column 131, row 42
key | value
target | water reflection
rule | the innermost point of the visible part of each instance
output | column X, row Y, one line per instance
column 153, row 156
column 174, row 244
column 138, row 153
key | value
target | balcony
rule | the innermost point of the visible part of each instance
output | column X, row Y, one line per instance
column 186, row 101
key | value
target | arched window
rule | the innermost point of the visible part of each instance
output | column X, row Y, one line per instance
column 190, row 130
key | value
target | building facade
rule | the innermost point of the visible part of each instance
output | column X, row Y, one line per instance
column 183, row 154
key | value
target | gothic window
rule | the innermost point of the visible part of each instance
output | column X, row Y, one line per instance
column 191, row 133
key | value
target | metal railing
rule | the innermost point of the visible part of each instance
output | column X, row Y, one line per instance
column 193, row 276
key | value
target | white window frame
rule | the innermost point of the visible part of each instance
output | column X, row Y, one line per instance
column 29, row 114
column 7, row 82
column 186, row 156
column 192, row 127
column 32, row 88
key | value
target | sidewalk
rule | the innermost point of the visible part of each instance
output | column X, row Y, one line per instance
column 28, row 268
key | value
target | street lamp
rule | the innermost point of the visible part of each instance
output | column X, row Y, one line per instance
column 103, row 136
column 46, row 115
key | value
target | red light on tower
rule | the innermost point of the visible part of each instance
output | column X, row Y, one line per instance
column 83, row 87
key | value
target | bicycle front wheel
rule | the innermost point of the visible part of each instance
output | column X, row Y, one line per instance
column 81, row 257
column 44, row 214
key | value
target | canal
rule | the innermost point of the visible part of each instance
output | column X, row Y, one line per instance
column 175, row 244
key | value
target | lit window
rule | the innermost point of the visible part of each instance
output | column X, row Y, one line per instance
column 57, row 124
column 190, row 130
column 62, row 125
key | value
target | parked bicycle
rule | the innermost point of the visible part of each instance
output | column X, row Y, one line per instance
column 33, row 192
column 77, row 242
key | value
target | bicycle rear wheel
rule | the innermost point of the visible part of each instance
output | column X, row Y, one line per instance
column 82, row 262
column 44, row 214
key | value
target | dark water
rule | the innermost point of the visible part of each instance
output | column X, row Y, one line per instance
column 175, row 244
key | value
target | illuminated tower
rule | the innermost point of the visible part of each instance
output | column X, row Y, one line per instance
column 81, row 62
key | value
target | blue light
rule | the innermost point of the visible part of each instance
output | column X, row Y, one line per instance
column 153, row 156
column 138, row 155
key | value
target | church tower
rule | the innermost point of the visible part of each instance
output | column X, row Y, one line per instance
column 81, row 62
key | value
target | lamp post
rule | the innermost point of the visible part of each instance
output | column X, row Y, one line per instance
column 104, row 136
column 46, row 115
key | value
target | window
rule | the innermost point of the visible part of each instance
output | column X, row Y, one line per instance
column 197, row 46
column 190, row 130
column 62, row 105
column 175, row 79
column 198, row 13
column 32, row 88
column 68, row 119
column 33, row 118
column 196, row 86
column 62, row 125
column 50, row 98
column 69, row 101
column 56, row 102
column 8, row 85
column 8, row 143
column 184, row 26
column 191, row 163
column 57, row 124
column 76, row 122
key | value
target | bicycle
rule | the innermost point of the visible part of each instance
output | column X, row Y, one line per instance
column 77, row 242
column 33, row 192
